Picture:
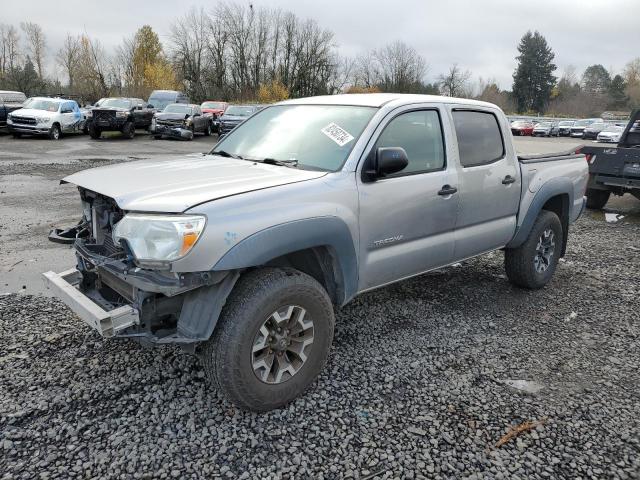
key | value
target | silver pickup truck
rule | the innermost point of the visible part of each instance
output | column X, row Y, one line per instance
column 242, row 254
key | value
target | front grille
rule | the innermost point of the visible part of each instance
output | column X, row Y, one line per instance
column 104, row 115
column 23, row 120
column 170, row 123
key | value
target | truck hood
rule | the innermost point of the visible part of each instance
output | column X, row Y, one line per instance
column 173, row 185
column 31, row 112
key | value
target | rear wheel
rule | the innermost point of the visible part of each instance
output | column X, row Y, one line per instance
column 272, row 339
column 597, row 199
column 208, row 129
column 532, row 264
column 16, row 135
column 54, row 132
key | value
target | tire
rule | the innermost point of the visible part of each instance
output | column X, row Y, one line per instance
column 94, row 132
column 597, row 199
column 16, row 135
column 54, row 132
column 228, row 357
column 129, row 130
column 157, row 137
column 208, row 130
column 520, row 263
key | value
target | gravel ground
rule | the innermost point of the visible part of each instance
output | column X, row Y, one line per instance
column 417, row 385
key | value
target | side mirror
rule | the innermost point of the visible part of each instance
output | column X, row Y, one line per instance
column 150, row 106
column 386, row 161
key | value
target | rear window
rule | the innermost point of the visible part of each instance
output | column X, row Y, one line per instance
column 479, row 137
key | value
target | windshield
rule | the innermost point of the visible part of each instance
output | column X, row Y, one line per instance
column 520, row 124
column 240, row 111
column 544, row 125
column 177, row 108
column 614, row 129
column 597, row 125
column 116, row 103
column 317, row 137
column 161, row 100
column 583, row 123
column 42, row 104
column 213, row 105
column 566, row 124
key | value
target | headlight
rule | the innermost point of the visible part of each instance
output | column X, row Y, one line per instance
column 159, row 238
column 43, row 119
column 89, row 114
column 122, row 114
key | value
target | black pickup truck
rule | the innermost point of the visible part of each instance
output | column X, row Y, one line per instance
column 119, row 114
column 614, row 169
column 9, row 102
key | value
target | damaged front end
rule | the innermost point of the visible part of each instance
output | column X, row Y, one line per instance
column 115, row 295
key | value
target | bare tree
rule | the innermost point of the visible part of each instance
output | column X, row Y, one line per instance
column 36, row 44
column 401, row 67
column 9, row 48
column 68, row 57
column 455, row 83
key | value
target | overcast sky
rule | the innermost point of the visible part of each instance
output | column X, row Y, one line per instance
column 479, row 35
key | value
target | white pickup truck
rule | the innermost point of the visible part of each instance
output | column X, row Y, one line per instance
column 241, row 255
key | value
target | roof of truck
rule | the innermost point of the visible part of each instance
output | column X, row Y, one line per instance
column 380, row 99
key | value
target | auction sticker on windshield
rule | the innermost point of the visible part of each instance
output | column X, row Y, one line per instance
column 337, row 134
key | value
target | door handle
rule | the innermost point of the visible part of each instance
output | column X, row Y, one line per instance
column 447, row 190
column 508, row 179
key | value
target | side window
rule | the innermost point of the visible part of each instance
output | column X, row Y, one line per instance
column 420, row 134
column 479, row 138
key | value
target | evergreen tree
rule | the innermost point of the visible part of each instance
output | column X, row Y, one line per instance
column 596, row 79
column 533, row 79
column 618, row 96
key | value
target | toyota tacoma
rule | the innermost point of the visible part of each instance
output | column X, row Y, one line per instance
column 241, row 255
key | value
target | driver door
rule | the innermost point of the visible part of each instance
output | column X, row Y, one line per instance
column 407, row 219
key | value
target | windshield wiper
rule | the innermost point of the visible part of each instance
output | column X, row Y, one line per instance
column 282, row 163
column 226, row 154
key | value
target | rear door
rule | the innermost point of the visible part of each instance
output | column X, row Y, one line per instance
column 489, row 182
column 406, row 225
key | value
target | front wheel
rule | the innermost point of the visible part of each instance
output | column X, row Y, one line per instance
column 597, row 199
column 272, row 339
column 208, row 129
column 129, row 130
column 16, row 135
column 532, row 264
column 94, row 132
column 55, row 133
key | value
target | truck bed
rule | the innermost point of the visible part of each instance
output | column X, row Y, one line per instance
column 548, row 157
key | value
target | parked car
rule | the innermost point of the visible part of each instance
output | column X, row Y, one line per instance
column 520, row 128
column 181, row 121
column 159, row 99
column 611, row 134
column 9, row 102
column 543, row 129
column 119, row 114
column 48, row 116
column 243, row 253
column 614, row 170
column 564, row 128
column 216, row 110
column 578, row 127
column 591, row 132
column 234, row 115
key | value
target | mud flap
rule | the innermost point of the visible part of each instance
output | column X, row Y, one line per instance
column 202, row 307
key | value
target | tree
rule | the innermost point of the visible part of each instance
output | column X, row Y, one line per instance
column 272, row 92
column 596, row 79
column 36, row 44
column 533, row 79
column 401, row 68
column 68, row 57
column 9, row 49
column 24, row 79
column 632, row 79
column 617, row 95
column 455, row 83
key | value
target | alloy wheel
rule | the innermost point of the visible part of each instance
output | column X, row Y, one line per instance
column 545, row 249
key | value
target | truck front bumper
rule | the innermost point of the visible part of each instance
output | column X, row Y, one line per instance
column 28, row 129
column 106, row 322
